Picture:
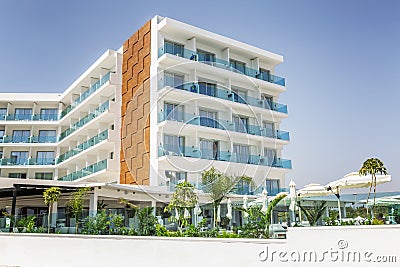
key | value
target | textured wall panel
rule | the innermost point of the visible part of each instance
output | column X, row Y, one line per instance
column 135, row 111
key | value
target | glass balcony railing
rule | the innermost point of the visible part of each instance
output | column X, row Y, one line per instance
column 223, row 64
column 222, row 124
column 13, row 161
column 99, row 166
column 30, row 139
column 84, row 146
column 19, row 117
column 220, row 155
column 45, row 117
column 25, row 161
column 29, row 117
column 92, row 115
column 41, row 161
column 226, row 94
column 86, row 94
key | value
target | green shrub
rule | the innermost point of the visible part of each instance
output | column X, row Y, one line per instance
column 192, row 231
column 147, row 222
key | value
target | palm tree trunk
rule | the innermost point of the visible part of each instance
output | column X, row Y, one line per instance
column 369, row 193
column 48, row 219
column 374, row 177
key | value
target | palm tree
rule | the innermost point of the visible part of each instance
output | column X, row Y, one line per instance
column 51, row 196
column 372, row 166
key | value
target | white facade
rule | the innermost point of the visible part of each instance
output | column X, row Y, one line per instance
column 214, row 101
column 73, row 136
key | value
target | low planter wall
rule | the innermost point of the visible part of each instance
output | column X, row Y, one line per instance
column 309, row 246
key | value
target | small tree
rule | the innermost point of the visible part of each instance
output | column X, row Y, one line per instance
column 218, row 186
column 50, row 196
column 270, row 209
column 372, row 166
column 258, row 222
column 183, row 198
column 75, row 204
column 315, row 213
column 147, row 222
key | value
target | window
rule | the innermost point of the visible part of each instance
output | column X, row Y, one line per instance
column 270, row 155
column 173, row 80
column 45, row 157
column 264, row 74
column 19, row 157
column 272, row 186
column 173, row 112
column 269, row 129
column 268, row 101
column 44, row 175
column 17, row 175
column 173, row 48
column 175, row 177
column 48, row 114
column 174, row 145
column 2, row 132
column 23, row 113
column 205, row 57
column 3, row 113
column 244, row 187
column 206, row 88
column 241, row 153
column 208, row 118
column 237, row 65
column 47, row 136
column 209, row 149
column 241, row 124
column 21, row 136
column 239, row 95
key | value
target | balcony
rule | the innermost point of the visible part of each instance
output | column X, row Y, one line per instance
column 31, row 139
column 95, row 113
column 99, row 166
column 84, row 146
column 222, row 64
column 25, row 161
column 220, row 155
column 222, row 124
column 229, row 95
column 86, row 94
column 29, row 117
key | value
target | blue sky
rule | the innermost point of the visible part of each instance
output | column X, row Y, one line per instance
column 342, row 64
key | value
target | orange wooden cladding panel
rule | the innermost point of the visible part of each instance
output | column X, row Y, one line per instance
column 135, row 111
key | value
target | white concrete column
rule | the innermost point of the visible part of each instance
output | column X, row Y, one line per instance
column 154, row 205
column 93, row 203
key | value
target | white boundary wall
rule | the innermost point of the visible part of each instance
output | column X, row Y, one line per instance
column 313, row 246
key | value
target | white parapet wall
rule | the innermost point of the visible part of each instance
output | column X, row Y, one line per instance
column 312, row 246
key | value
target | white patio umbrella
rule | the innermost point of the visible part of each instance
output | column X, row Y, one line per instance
column 176, row 214
column 229, row 207
column 354, row 180
column 186, row 214
column 197, row 212
column 383, row 201
column 264, row 201
column 245, row 206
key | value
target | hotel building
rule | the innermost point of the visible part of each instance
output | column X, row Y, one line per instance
column 172, row 102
